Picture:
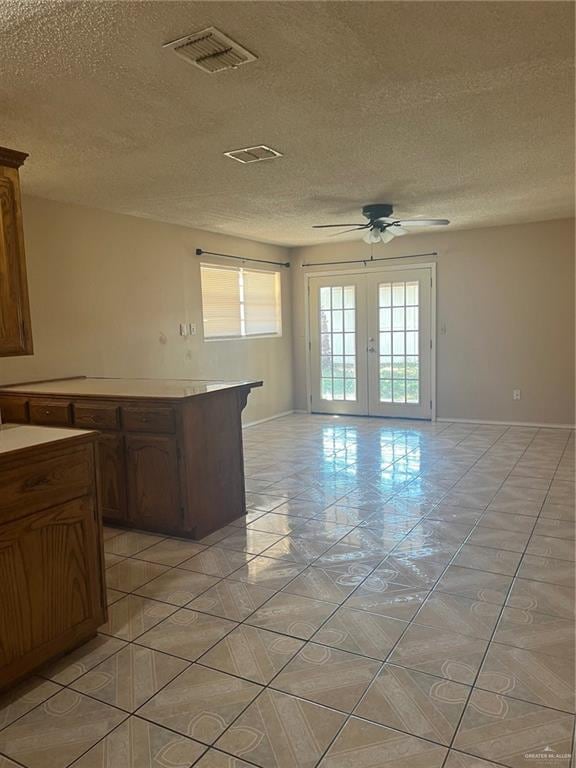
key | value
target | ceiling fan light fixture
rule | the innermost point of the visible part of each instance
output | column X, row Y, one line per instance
column 372, row 237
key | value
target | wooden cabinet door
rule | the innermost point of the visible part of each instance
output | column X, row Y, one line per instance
column 49, row 579
column 111, row 464
column 15, row 329
column 153, row 481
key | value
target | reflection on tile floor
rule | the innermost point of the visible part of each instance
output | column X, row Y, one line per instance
column 399, row 595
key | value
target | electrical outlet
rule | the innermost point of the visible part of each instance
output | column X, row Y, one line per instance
column 183, row 329
column 515, row 394
column 192, row 329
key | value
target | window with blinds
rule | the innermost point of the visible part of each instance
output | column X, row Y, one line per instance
column 238, row 302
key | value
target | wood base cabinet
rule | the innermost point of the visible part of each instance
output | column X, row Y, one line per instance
column 52, row 595
column 170, row 463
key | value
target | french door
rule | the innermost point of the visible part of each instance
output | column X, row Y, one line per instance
column 371, row 343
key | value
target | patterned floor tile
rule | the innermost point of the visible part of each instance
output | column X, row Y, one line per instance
column 253, row 542
column 177, row 586
column 459, row 614
column 474, row 584
column 327, row 676
column 536, row 677
column 549, row 546
column 252, row 653
column 131, row 574
column 507, row 522
column 170, row 551
column 414, row 702
column 440, row 652
column 265, row 733
column 515, row 541
column 59, row 730
column 267, row 572
column 130, row 677
column 273, row 523
column 233, row 600
column 487, row 559
column 292, row 615
column 298, row 550
column 368, row 634
column 113, row 595
column 200, row 703
column 377, row 595
column 132, row 616
column 23, row 697
column 547, row 569
column 366, row 745
column 324, row 584
column 78, row 662
column 130, row 542
column 216, row 759
column 187, row 634
column 420, row 571
column 217, row 562
column 542, row 597
column 536, row 632
column 508, row 731
column 139, row 744
column 460, row 760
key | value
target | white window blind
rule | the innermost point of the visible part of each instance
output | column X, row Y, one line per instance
column 238, row 302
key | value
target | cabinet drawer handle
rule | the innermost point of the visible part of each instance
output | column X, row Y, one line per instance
column 47, row 411
column 36, row 482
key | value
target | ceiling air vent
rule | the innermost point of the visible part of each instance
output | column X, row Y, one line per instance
column 211, row 50
column 253, row 154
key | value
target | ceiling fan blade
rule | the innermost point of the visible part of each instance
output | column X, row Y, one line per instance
column 325, row 226
column 387, row 235
column 423, row 222
column 397, row 230
column 354, row 229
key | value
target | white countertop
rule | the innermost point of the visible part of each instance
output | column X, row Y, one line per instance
column 156, row 388
column 17, row 437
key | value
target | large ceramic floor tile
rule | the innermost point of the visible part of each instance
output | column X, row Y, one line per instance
column 263, row 502
column 549, row 546
column 414, row 702
column 506, row 522
column 217, row 562
column 536, row 632
column 508, row 731
column 327, row 676
column 177, row 586
column 139, row 744
column 488, row 559
column 200, row 703
column 377, row 595
column 273, row 523
column 298, row 550
column 547, row 569
column 130, row 542
column 131, row 574
column 233, row 600
column 280, row 731
column 252, row 653
column 420, row 571
column 324, row 584
column 132, row 616
column 292, row 615
column 23, row 697
column 560, row 529
column 440, row 652
column 187, row 634
column 59, row 730
column 536, row 677
column 542, row 597
column 213, row 758
column 268, row 572
column 170, row 551
column 253, row 542
column 130, row 677
column 459, row 614
column 368, row 634
column 361, row 744
column 474, row 584
column 460, row 760
column 515, row 541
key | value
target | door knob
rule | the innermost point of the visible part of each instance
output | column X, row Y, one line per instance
column 371, row 349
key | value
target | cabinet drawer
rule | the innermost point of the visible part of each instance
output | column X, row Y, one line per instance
column 45, row 482
column 148, row 419
column 50, row 412
column 97, row 415
column 13, row 411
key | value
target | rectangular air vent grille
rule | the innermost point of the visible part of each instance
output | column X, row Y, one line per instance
column 211, row 50
column 253, row 154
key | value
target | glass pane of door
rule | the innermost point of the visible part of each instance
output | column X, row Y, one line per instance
column 338, row 342
column 399, row 348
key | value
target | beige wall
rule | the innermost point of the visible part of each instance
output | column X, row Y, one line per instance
column 108, row 292
column 506, row 298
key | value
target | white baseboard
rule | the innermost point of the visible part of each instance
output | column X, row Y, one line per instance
column 268, row 418
column 507, row 423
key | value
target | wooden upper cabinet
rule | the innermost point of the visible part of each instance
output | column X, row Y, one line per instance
column 15, row 327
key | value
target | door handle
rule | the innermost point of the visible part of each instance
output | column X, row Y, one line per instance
column 371, row 349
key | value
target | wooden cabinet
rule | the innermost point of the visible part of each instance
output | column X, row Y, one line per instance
column 153, row 482
column 170, row 463
column 15, row 326
column 51, row 560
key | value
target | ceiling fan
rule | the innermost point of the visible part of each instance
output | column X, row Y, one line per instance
column 381, row 227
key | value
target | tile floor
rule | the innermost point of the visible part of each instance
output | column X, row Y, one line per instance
column 399, row 595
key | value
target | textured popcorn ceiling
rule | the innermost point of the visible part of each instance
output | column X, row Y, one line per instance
column 462, row 110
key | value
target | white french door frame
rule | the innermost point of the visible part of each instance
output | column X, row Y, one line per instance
column 367, row 269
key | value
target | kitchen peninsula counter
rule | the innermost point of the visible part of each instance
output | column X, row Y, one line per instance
column 170, row 450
